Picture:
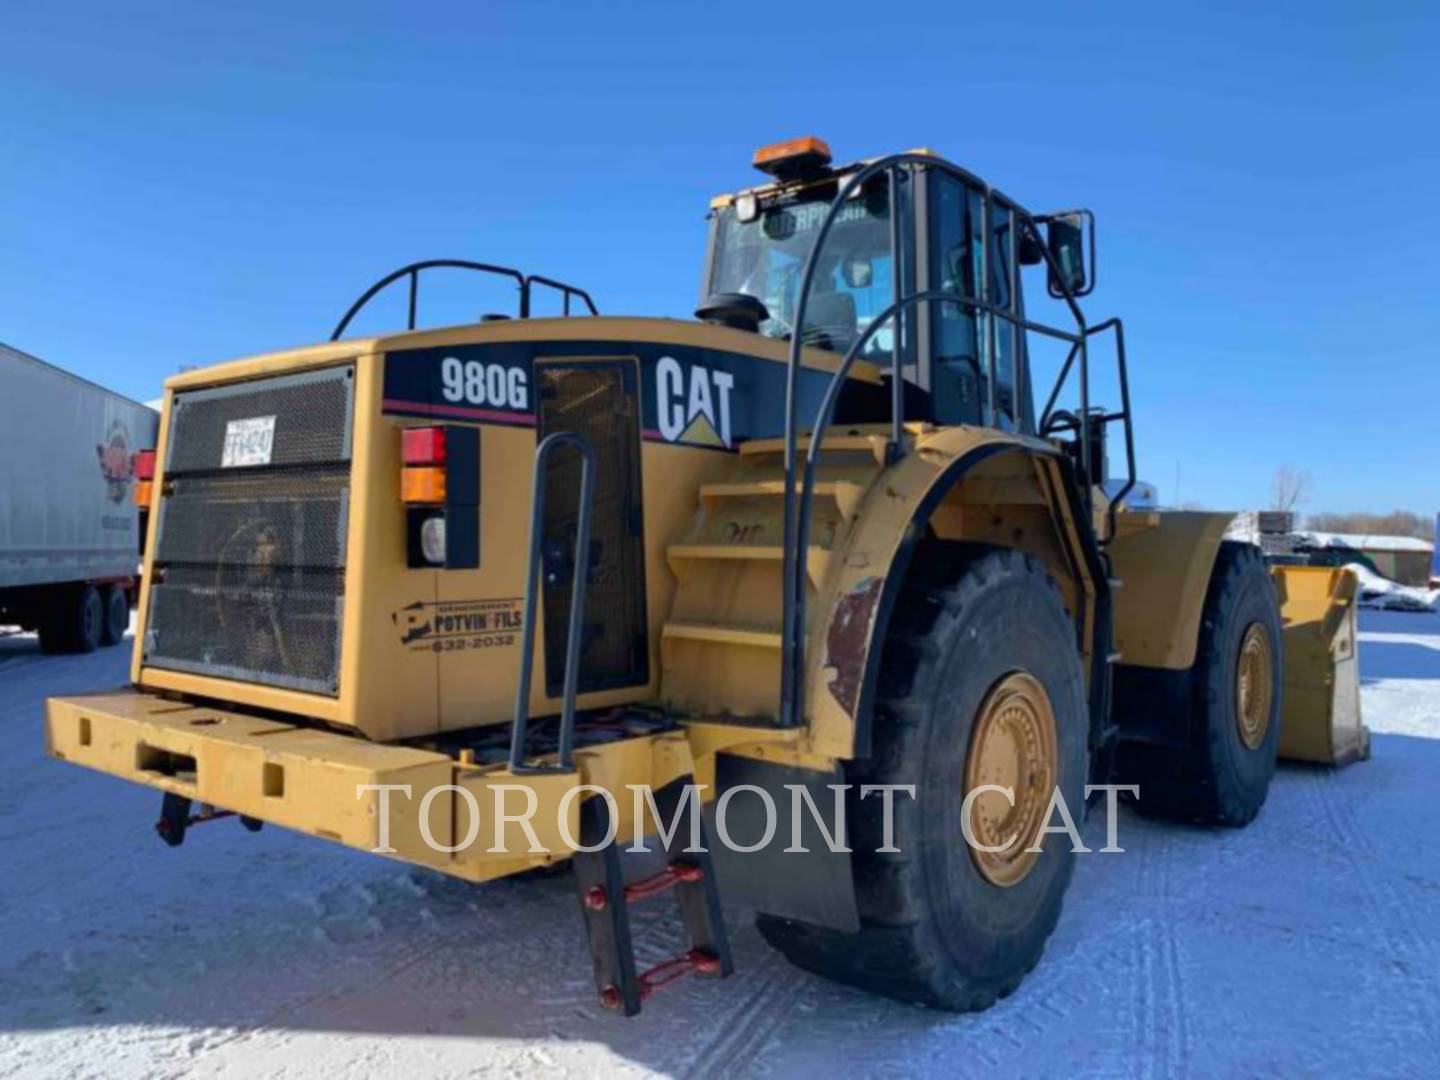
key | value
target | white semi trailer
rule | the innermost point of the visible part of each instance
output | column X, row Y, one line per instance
column 70, row 532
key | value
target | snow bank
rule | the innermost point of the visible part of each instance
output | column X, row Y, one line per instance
column 1380, row 592
column 1362, row 541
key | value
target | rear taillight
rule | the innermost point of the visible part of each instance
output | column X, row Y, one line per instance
column 440, row 487
column 423, row 446
column 423, row 485
column 144, row 478
column 423, row 479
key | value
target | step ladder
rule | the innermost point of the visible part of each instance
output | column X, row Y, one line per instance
column 605, row 902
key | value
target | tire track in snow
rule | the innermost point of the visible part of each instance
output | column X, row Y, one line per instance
column 749, row 1027
column 1159, row 1019
column 1412, row 952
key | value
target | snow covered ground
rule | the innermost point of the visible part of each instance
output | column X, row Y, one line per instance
column 1307, row 944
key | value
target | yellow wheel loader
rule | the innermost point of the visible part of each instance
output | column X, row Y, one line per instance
column 492, row 597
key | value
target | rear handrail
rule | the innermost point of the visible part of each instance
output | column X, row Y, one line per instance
column 581, row 563
column 797, row 513
column 567, row 292
column 523, row 283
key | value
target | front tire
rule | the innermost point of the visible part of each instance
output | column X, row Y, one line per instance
column 1223, row 776
column 941, row 924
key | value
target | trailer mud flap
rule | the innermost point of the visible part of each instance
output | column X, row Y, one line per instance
column 814, row 885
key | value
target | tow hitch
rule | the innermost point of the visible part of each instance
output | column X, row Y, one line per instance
column 176, row 819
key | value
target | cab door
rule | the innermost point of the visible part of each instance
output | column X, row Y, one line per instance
column 597, row 399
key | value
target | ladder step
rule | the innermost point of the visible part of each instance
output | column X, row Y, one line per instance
column 677, row 873
column 664, row 973
column 725, row 551
column 816, row 566
column 724, row 635
column 752, row 488
column 846, row 494
column 605, row 902
column 872, row 443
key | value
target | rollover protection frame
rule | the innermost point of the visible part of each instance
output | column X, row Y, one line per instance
column 796, row 510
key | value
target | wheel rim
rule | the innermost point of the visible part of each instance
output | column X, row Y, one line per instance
column 118, row 615
column 91, row 616
column 1013, row 746
column 1254, row 686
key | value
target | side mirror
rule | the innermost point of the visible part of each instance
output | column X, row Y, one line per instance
column 1070, row 237
column 1031, row 251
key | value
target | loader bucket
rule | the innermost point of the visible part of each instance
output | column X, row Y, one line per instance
column 1321, row 717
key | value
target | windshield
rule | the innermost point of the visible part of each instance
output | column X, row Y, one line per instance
column 764, row 258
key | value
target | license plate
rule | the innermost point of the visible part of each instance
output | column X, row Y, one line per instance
column 248, row 442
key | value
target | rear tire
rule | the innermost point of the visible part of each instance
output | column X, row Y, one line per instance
column 935, row 927
column 1223, row 777
column 116, row 604
column 75, row 623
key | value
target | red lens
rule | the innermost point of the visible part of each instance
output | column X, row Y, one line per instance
column 145, row 465
column 423, row 446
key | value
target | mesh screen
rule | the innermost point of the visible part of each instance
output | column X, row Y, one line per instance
column 598, row 402
column 311, row 410
column 250, row 561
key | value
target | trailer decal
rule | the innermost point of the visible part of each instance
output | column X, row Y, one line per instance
column 117, row 464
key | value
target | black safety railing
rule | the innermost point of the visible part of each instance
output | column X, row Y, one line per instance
column 581, row 563
column 896, row 169
column 524, row 285
column 1050, row 415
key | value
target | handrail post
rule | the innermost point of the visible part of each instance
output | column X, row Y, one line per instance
column 897, row 270
column 581, row 563
column 1090, row 481
column 414, row 297
column 986, row 317
column 1019, row 344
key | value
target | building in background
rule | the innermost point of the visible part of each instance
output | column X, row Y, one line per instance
column 1404, row 559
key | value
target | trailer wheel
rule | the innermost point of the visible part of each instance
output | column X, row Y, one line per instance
column 75, row 623
column 980, row 682
column 116, row 604
column 1223, row 777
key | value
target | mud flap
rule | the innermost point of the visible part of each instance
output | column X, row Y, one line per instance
column 814, row 886
column 1320, row 721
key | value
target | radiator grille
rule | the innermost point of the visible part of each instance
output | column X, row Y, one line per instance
column 599, row 402
column 250, row 560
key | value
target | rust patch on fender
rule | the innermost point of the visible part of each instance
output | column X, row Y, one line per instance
column 845, row 645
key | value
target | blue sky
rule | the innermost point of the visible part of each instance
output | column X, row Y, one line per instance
column 185, row 183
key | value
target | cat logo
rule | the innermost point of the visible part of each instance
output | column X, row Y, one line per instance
column 693, row 409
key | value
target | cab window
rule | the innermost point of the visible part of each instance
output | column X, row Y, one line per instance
column 960, row 351
column 764, row 258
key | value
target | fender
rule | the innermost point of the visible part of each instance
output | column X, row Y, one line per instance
column 1165, row 560
column 951, row 485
